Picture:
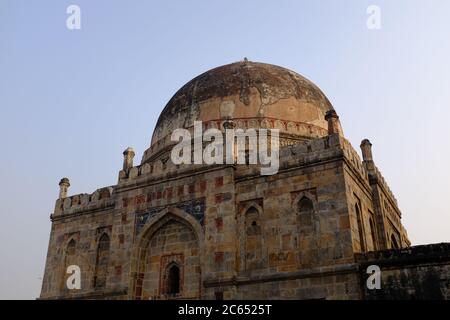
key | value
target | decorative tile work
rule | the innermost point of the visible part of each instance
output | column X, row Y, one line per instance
column 142, row 218
column 195, row 208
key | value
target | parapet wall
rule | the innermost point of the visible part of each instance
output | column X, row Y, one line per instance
column 100, row 199
column 299, row 129
column 353, row 156
column 296, row 155
column 419, row 272
column 385, row 186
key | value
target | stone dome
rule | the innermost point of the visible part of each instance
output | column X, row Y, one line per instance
column 252, row 95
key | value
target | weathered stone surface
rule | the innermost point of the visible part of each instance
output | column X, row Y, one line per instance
column 418, row 273
column 222, row 231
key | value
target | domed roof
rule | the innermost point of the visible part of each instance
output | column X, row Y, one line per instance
column 250, row 93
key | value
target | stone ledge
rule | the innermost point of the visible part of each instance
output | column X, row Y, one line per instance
column 102, row 208
column 90, row 295
column 307, row 273
column 432, row 253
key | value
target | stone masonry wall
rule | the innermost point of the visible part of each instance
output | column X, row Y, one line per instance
column 232, row 232
column 419, row 272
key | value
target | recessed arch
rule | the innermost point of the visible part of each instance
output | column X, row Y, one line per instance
column 305, row 212
column 359, row 218
column 69, row 258
column 305, row 204
column 101, row 261
column 306, row 221
column 172, row 279
column 250, row 232
column 140, row 269
column 252, row 218
column 251, row 204
column 304, row 200
column 71, row 247
column 373, row 233
column 394, row 242
column 253, row 244
column 161, row 218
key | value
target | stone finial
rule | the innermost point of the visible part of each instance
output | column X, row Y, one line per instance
column 128, row 156
column 366, row 149
column 333, row 121
column 64, row 185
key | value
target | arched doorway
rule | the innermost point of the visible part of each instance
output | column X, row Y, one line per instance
column 168, row 258
column 173, row 280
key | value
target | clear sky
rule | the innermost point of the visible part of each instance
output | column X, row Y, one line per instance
column 72, row 100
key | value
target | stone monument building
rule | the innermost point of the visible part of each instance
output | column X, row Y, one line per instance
column 198, row 231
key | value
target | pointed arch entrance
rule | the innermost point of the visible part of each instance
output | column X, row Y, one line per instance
column 167, row 257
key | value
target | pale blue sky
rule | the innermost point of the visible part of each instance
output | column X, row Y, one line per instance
column 72, row 101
